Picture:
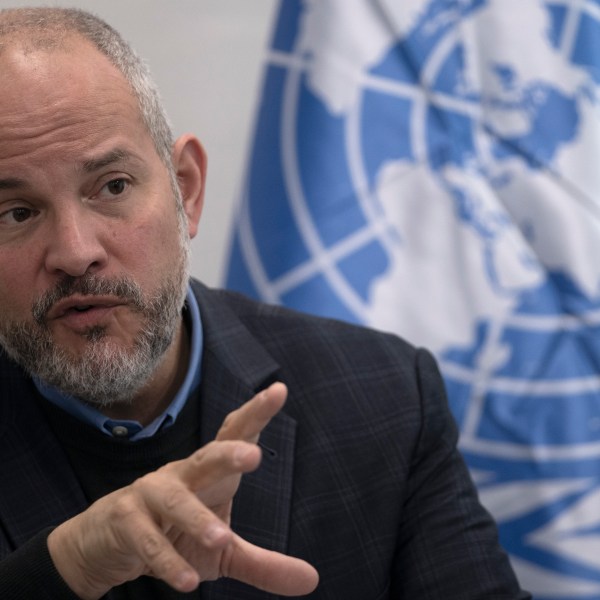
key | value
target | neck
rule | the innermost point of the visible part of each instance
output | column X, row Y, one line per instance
column 154, row 398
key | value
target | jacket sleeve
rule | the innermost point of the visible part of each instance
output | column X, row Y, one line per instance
column 448, row 544
column 28, row 573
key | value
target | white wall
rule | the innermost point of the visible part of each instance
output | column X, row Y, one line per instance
column 206, row 56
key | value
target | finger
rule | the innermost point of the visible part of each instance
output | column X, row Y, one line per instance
column 247, row 422
column 158, row 554
column 213, row 465
column 267, row 570
column 180, row 511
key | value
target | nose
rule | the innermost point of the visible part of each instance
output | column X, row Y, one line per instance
column 73, row 245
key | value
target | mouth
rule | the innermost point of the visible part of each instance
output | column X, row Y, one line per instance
column 82, row 308
column 81, row 313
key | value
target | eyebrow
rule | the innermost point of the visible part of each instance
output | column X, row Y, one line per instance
column 114, row 156
column 89, row 166
column 12, row 183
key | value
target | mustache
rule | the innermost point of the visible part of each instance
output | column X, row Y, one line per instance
column 123, row 288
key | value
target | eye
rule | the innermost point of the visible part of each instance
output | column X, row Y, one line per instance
column 115, row 187
column 17, row 215
column 21, row 214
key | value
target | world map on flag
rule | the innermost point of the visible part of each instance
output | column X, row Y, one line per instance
column 432, row 168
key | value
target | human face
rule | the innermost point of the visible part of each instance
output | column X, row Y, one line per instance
column 92, row 247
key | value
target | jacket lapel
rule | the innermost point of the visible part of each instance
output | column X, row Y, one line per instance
column 235, row 366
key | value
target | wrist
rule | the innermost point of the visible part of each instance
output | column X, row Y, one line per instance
column 67, row 558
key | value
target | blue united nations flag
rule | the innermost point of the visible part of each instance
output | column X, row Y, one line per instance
column 432, row 168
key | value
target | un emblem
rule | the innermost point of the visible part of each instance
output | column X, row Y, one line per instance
column 428, row 167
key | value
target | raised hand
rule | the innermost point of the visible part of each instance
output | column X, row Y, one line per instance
column 173, row 524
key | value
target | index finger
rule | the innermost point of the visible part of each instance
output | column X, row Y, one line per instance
column 247, row 422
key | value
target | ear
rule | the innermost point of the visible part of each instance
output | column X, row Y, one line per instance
column 189, row 162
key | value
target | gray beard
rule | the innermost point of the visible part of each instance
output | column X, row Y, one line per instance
column 104, row 374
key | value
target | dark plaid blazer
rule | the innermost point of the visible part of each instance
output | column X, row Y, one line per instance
column 360, row 473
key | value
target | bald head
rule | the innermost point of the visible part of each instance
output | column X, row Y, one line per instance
column 52, row 29
column 37, row 28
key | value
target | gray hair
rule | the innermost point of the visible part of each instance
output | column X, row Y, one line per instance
column 50, row 28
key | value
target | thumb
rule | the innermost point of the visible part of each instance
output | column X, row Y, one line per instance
column 267, row 570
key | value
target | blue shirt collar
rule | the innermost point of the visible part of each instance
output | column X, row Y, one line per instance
column 133, row 430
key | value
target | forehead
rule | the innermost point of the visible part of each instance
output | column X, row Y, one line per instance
column 68, row 95
column 74, row 65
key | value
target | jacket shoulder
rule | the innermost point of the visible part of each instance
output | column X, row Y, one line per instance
column 300, row 328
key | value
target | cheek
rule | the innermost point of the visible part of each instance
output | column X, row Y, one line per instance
column 153, row 246
column 16, row 289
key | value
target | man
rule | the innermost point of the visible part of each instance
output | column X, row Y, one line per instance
column 132, row 401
